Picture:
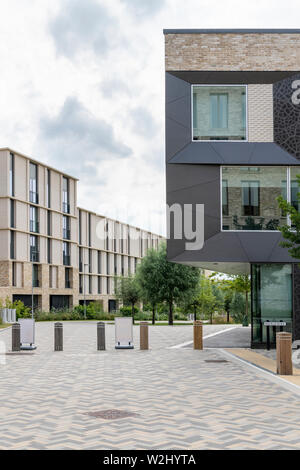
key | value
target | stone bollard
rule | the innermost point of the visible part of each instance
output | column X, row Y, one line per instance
column 284, row 353
column 16, row 337
column 101, row 336
column 144, row 335
column 198, row 339
column 58, row 336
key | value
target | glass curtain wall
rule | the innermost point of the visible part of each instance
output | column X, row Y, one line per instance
column 271, row 299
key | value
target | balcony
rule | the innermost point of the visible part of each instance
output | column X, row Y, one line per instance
column 33, row 197
column 66, row 207
column 66, row 260
column 34, row 255
column 66, row 233
column 34, row 226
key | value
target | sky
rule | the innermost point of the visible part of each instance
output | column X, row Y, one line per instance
column 82, row 89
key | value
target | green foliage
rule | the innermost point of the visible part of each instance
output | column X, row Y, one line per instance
column 127, row 290
column 148, row 279
column 238, row 308
column 173, row 280
column 21, row 310
column 291, row 234
column 126, row 311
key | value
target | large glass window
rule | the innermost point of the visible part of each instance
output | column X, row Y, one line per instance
column 11, row 174
column 33, row 183
column 219, row 112
column 249, row 197
column 66, row 254
column 66, row 195
column 34, row 223
column 66, row 227
column 271, row 299
column 34, row 249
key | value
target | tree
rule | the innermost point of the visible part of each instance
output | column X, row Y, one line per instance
column 148, row 279
column 127, row 290
column 207, row 300
column 241, row 283
column 227, row 301
column 238, row 307
column 175, row 280
column 291, row 233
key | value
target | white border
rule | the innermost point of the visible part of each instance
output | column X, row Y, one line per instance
column 219, row 85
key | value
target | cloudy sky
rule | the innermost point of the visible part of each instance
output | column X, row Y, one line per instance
column 82, row 89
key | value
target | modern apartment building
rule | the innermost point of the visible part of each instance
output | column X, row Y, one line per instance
column 232, row 146
column 51, row 249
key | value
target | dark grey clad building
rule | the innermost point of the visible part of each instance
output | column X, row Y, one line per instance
column 233, row 146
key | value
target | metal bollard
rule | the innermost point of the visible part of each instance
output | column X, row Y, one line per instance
column 144, row 335
column 101, row 336
column 58, row 336
column 198, row 335
column 284, row 353
column 16, row 337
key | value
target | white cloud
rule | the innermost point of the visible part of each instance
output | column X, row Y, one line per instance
column 82, row 87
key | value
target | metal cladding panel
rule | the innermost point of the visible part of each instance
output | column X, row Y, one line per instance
column 230, row 77
column 234, row 247
column 234, row 153
column 180, row 137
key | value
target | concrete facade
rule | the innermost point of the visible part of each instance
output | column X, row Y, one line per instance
column 44, row 210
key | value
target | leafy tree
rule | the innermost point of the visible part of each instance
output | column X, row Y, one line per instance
column 175, row 280
column 228, row 295
column 207, row 300
column 241, row 283
column 127, row 290
column 291, row 233
column 149, row 280
column 238, row 307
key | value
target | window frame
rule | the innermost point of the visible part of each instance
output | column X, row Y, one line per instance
column 219, row 85
column 288, row 186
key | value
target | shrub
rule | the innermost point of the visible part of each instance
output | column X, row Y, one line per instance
column 126, row 311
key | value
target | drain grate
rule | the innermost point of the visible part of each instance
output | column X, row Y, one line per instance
column 215, row 360
column 111, row 414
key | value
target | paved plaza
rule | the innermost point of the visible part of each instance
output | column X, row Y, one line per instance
column 179, row 400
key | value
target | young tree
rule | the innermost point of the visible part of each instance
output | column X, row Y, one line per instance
column 127, row 290
column 148, row 279
column 241, row 283
column 175, row 280
column 207, row 300
column 238, row 307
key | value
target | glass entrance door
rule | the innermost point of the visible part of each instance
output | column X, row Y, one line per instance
column 271, row 293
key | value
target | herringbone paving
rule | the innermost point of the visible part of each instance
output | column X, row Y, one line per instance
column 180, row 401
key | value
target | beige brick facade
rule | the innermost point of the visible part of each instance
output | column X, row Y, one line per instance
column 225, row 51
column 16, row 270
column 260, row 113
